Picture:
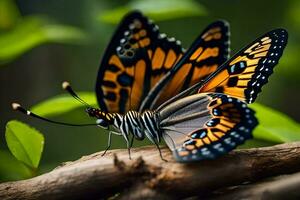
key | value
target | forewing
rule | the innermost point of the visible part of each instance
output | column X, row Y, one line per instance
column 136, row 58
column 205, row 126
column 245, row 73
column 206, row 54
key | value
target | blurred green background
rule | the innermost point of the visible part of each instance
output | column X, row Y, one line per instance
column 64, row 40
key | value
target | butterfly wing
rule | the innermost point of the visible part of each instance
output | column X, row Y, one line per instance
column 245, row 73
column 136, row 58
column 206, row 54
column 205, row 126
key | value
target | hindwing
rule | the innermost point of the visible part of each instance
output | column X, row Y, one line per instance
column 205, row 126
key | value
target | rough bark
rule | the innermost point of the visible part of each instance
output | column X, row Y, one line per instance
column 282, row 187
column 147, row 176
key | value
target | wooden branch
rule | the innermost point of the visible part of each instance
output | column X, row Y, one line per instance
column 147, row 176
column 282, row 187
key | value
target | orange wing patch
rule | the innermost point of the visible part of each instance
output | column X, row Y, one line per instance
column 121, row 81
column 158, row 58
column 213, row 34
column 208, row 52
column 175, row 84
column 161, row 63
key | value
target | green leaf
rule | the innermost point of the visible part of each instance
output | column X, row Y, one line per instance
column 11, row 169
column 156, row 10
column 274, row 126
column 255, row 143
column 34, row 31
column 62, row 34
column 24, row 142
column 62, row 104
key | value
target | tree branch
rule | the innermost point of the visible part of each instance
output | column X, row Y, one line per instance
column 147, row 176
column 284, row 186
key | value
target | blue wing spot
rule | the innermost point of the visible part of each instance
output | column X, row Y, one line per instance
column 199, row 134
column 217, row 112
column 125, row 80
column 237, row 68
column 213, row 122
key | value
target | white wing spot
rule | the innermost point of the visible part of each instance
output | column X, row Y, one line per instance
column 122, row 40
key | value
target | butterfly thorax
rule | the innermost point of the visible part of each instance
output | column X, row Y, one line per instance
column 138, row 125
column 132, row 123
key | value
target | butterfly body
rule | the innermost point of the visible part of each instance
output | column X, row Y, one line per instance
column 201, row 119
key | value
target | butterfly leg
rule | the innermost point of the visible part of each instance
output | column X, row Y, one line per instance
column 131, row 142
column 109, row 143
column 160, row 154
column 128, row 147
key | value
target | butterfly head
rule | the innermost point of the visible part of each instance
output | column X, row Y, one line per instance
column 103, row 118
column 92, row 112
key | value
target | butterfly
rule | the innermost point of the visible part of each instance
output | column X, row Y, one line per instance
column 148, row 86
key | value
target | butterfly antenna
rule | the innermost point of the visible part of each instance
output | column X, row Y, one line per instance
column 19, row 108
column 67, row 86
